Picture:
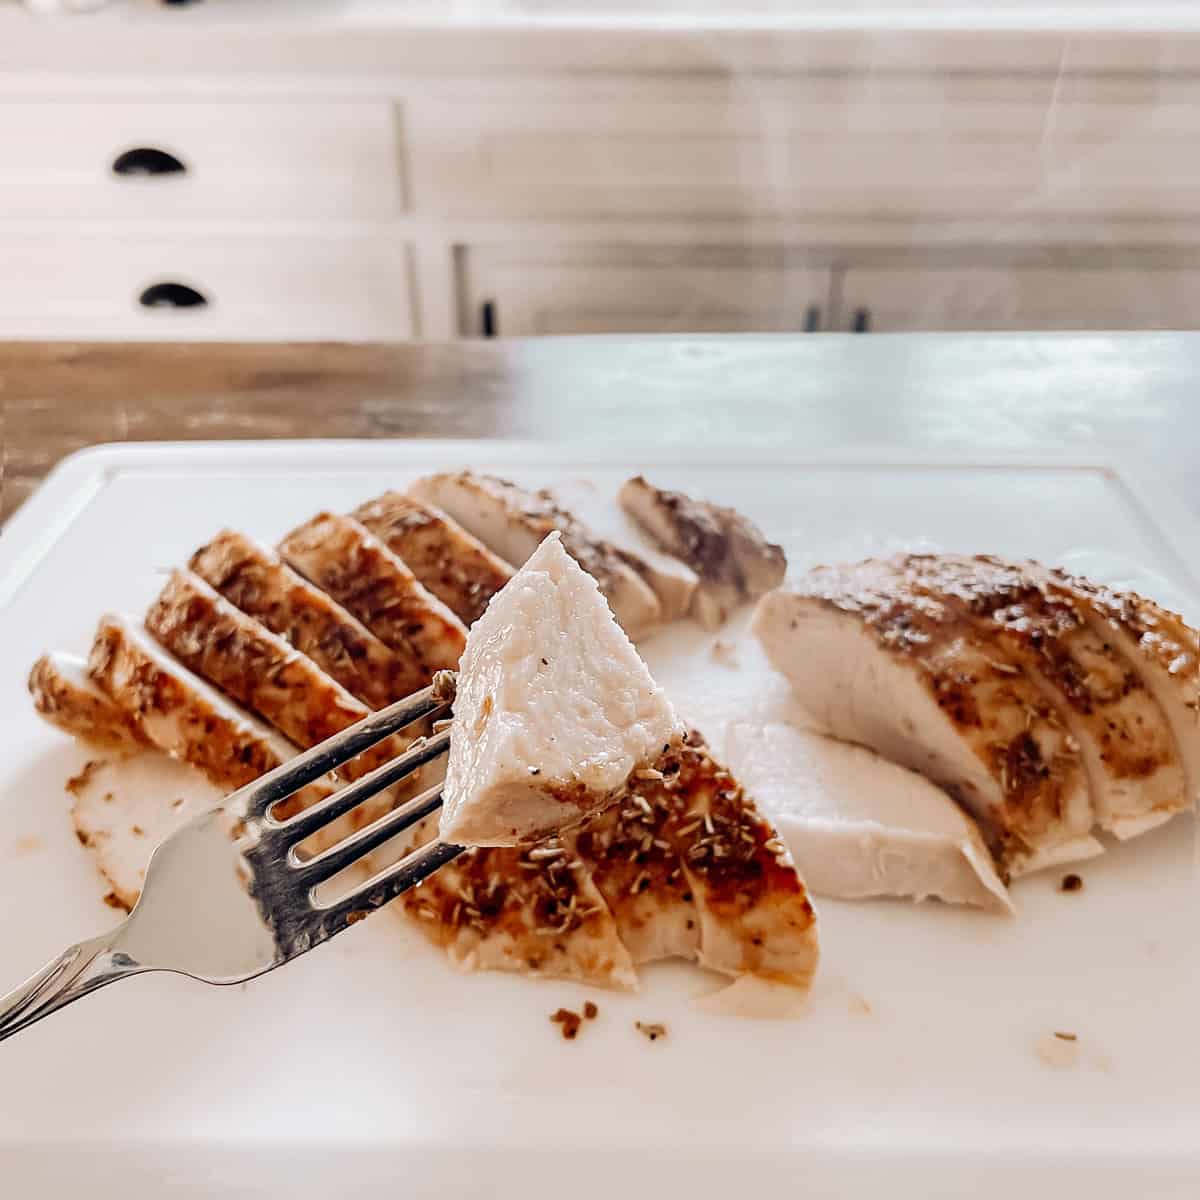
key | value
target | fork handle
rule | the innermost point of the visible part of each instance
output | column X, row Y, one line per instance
column 78, row 970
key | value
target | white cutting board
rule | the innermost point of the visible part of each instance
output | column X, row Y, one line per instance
column 925, row 1065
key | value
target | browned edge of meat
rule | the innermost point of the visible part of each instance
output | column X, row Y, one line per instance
column 688, row 852
column 728, row 552
column 1003, row 751
column 177, row 718
column 246, row 661
column 255, row 580
column 514, row 521
column 1164, row 646
column 528, row 909
column 73, row 703
column 346, row 560
column 1124, row 734
column 261, row 671
column 755, row 914
column 452, row 563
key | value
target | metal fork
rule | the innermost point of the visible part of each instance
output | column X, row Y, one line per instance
column 222, row 911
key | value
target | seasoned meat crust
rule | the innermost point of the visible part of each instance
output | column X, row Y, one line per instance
column 245, row 660
column 686, row 867
column 513, row 521
column 344, row 559
column 253, row 579
column 66, row 697
column 880, row 661
column 729, row 554
column 1128, row 750
column 455, row 566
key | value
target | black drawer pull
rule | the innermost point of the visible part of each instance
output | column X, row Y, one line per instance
column 146, row 160
column 171, row 295
column 862, row 321
column 489, row 326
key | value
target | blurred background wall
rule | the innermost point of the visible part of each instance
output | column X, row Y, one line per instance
column 358, row 171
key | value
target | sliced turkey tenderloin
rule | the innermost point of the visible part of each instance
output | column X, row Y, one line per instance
column 67, row 698
column 883, row 665
column 554, row 709
column 860, row 826
column 453, row 564
column 254, row 579
column 514, row 521
column 1126, row 744
column 349, row 562
column 732, row 560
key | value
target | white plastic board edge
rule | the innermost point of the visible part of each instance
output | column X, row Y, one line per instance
column 72, row 484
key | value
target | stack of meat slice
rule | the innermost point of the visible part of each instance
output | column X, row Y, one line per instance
column 251, row 653
column 1048, row 707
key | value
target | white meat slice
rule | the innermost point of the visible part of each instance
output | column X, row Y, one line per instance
column 673, row 582
column 67, row 698
column 123, row 808
column 752, row 908
column 1165, row 654
column 1126, row 744
column 253, row 578
column 878, row 663
column 732, row 560
column 261, row 671
column 859, row 826
column 639, row 871
column 685, row 868
column 453, row 564
column 533, row 910
column 554, row 709
column 514, row 521
column 346, row 560
column 179, row 712
column 245, row 660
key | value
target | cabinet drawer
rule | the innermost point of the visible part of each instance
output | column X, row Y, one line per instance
column 1021, row 297
column 874, row 146
column 252, row 159
column 628, row 290
column 329, row 288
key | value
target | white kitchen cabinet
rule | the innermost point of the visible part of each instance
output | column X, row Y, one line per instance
column 878, row 147
column 521, row 291
column 1017, row 296
column 314, row 173
column 289, row 158
column 190, row 287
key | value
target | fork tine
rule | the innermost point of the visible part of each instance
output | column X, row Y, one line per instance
column 257, row 797
column 317, row 816
column 389, row 883
column 351, row 849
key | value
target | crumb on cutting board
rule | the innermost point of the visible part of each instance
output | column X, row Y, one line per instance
column 1058, row 1050
column 1071, row 883
column 569, row 1023
column 590, row 1011
column 78, row 782
column 652, row 1030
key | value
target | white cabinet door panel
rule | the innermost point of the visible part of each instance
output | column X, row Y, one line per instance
column 1021, row 297
column 622, row 290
